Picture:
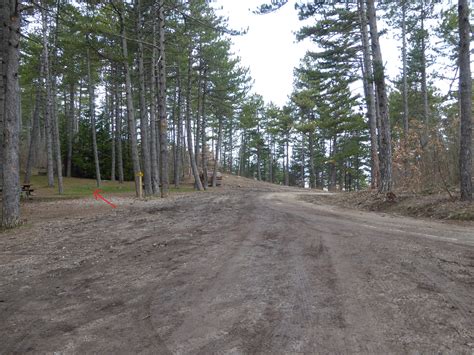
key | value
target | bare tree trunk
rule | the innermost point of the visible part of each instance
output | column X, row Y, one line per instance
column 240, row 168
column 132, row 128
column 155, row 167
column 312, row 172
column 302, row 162
column 231, row 148
column 162, row 101
column 92, row 117
column 11, row 114
column 57, row 142
column 118, row 131
column 404, row 72
column 178, row 130
column 113, row 152
column 465, row 84
column 424, row 86
column 218, row 150
column 143, row 108
column 197, row 131
column 70, row 130
column 382, row 101
column 54, row 108
column 287, row 162
column 203, row 133
column 32, row 149
column 405, row 87
column 192, row 157
column 111, row 117
column 369, row 98
column 3, row 59
column 48, row 104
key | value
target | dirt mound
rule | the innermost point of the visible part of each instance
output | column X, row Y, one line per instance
column 239, row 182
column 436, row 206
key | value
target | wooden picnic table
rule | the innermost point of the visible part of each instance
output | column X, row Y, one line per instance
column 25, row 188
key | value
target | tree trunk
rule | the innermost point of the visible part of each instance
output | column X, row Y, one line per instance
column 162, row 101
column 231, row 148
column 111, row 117
column 143, row 108
column 132, row 127
column 109, row 114
column 203, row 133
column 155, row 167
column 302, row 162
column 179, row 131
column 465, row 84
column 218, row 150
column 70, row 130
column 369, row 97
column 57, row 142
column 424, row 86
column 287, row 162
column 92, row 117
column 192, row 158
column 3, row 59
column 312, row 176
column 33, row 148
column 118, row 131
column 405, row 88
column 11, row 114
column 48, row 104
column 382, row 101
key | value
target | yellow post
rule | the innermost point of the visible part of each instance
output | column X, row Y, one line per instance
column 140, row 188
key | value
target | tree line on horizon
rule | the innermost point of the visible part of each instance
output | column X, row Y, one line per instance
column 106, row 90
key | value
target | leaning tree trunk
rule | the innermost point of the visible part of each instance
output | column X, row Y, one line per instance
column 465, row 84
column 192, row 158
column 11, row 114
column 143, row 108
column 93, row 123
column 162, row 101
column 369, row 97
column 382, row 101
column 132, row 128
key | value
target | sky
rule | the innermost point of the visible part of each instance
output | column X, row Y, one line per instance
column 270, row 49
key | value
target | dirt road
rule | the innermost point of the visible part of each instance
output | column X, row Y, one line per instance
column 238, row 271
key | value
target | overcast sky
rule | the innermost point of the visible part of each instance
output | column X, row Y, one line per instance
column 270, row 50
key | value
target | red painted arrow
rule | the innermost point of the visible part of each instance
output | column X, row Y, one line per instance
column 97, row 195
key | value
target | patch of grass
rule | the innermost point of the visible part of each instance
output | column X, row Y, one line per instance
column 78, row 187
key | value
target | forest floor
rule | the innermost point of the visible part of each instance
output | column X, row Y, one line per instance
column 246, row 268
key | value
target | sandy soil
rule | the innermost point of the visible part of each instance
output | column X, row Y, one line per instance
column 249, row 268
